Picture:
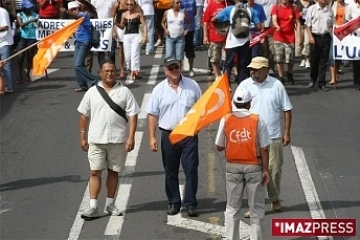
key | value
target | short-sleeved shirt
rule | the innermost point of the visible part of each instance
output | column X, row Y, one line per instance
column 28, row 31
column 103, row 7
column 189, row 7
column 49, row 9
column 286, row 19
column 212, row 9
column 259, row 10
column 320, row 19
column 303, row 10
column 226, row 15
column 270, row 100
column 83, row 33
column 6, row 38
column 263, row 140
column 106, row 126
column 170, row 106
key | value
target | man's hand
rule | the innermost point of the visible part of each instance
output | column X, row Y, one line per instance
column 312, row 40
column 286, row 139
column 84, row 145
column 153, row 144
column 206, row 41
column 265, row 177
column 129, row 145
column 186, row 32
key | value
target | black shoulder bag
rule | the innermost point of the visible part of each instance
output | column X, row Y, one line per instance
column 111, row 103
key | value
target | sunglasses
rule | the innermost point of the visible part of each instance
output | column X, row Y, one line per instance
column 254, row 69
column 173, row 67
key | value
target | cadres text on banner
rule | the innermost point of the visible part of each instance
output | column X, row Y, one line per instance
column 348, row 48
column 46, row 27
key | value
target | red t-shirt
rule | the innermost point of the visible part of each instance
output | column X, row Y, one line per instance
column 286, row 21
column 49, row 10
column 212, row 9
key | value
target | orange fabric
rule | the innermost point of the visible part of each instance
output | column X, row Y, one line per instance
column 241, row 136
column 51, row 45
column 212, row 105
column 340, row 15
column 164, row 4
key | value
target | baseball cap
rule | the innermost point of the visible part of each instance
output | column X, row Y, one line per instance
column 242, row 95
column 258, row 62
column 170, row 61
column 27, row 4
column 73, row 4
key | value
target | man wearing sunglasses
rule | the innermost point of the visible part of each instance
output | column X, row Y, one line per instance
column 169, row 102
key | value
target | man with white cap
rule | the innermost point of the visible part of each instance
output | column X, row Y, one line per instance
column 245, row 139
column 82, row 46
column 271, row 101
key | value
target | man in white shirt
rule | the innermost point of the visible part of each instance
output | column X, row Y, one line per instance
column 147, row 7
column 110, row 138
column 6, row 42
column 271, row 101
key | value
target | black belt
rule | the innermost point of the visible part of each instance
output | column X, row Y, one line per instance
column 168, row 131
column 324, row 35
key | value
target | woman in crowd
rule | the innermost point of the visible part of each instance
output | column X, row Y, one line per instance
column 303, row 50
column 118, row 9
column 49, row 9
column 130, row 21
column 27, row 21
column 173, row 25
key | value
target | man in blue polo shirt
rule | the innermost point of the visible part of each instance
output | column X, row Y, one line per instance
column 237, row 46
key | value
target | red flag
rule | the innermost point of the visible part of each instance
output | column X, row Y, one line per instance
column 342, row 31
column 258, row 37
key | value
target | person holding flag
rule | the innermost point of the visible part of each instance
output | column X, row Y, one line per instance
column 170, row 101
column 246, row 140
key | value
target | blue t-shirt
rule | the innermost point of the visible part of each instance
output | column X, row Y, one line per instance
column 83, row 33
column 224, row 15
column 261, row 15
column 28, row 31
column 189, row 7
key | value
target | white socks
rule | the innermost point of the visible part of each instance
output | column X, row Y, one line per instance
column 93, row 203
column 109, row 201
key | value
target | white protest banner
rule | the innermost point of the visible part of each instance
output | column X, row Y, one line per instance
column 346, row 41
column 46, row 27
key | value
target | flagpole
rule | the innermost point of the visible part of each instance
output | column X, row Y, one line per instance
column 21, row 51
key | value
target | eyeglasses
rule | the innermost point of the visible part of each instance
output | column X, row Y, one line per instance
column 254, row 69
column 173, row 67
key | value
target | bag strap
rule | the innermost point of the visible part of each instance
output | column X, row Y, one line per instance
column 111, row 103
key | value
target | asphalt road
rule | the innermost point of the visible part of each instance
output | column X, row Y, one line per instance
column 44, row 173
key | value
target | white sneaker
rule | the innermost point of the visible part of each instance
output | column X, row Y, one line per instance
column 191, row 73
column 307, row 64
column 302, row 64
column 112, row 210
column 90, row 214
column 158, row 43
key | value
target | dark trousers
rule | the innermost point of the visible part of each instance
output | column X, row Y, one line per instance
column 186, row 152
column 244, row 59
column 319, row 52
column 356, row 72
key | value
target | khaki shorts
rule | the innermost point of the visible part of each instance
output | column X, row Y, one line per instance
column 111, row 156
column 215, row 51
column 284, row 52
column 304, row 48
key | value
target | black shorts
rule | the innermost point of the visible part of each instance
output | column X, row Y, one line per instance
column 189, row 45
column 159, row 13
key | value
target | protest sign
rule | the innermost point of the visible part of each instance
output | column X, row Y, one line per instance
column 346, row 41
column 45, row 27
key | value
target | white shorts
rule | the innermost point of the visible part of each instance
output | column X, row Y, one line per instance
column 120, row 34
column 111, row 156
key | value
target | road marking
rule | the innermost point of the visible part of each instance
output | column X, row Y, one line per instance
column 153, row 75
column 158, row 52
column 143, row 113
column 4, row 210
column 211, row 172
column 308, row 186
column 204, row 227
column 49, row 71
column 79, row 222
column 115, row 223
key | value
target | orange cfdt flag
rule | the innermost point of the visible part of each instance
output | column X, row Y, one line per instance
column 51, row 45
column 213, row 105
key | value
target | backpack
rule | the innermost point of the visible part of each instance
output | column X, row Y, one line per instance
column 240, row 25
column 95, row 37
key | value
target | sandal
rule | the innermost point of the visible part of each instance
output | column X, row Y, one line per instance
column 137, row 75
column 122, row 75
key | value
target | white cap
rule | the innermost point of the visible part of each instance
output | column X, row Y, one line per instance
column 242, row 95
column 73, row 4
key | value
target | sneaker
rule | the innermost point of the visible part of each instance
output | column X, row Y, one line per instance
column 302, row 63
column 112, row 210
column 191, row 73
column 8, row 90
column 307, row 64
column 158, row 43
column 90, row 214
column 247, row 214
column 147, row 54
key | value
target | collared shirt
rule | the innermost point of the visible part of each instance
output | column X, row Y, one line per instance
column 320, row 19
column 263, row 140
column 171, row 106
column 352, row 11
column 106, row 126
column 270, row 100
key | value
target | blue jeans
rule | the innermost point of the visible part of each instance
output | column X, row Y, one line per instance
column 82, row 74
column 244, row 59
column 150, row 26
column 198, row 27
column 5, row 52
column 186, row 152
column 174, row 47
